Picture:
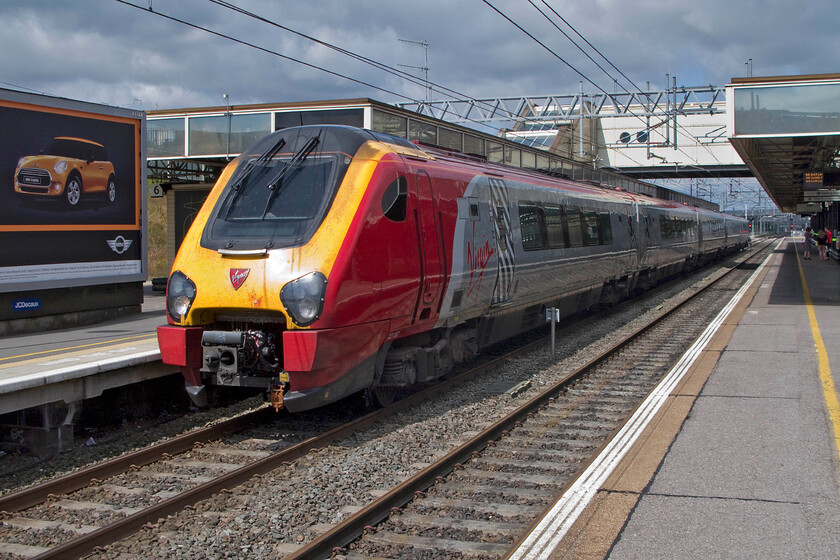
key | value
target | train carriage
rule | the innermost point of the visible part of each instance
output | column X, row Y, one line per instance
column 329, row 260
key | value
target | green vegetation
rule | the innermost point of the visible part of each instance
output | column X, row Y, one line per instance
column 158, row 264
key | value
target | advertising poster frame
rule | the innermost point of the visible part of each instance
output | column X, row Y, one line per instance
column 72, row 193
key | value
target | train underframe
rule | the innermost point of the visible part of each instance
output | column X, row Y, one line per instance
column 248, row 352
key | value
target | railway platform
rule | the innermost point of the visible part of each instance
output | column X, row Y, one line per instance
column 44, row 375
column 741, row 458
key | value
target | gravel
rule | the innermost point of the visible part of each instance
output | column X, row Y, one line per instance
column 271, row 514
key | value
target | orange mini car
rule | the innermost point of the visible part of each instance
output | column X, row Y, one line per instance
column 68, row 169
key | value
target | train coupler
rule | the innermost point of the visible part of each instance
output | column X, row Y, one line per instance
column 275, row 397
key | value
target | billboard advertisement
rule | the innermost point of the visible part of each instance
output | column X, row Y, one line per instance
column 71, row 177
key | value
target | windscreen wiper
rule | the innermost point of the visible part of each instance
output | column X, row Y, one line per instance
column 276, row 184
column 236, row 186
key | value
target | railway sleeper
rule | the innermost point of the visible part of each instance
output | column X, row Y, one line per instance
column 387, row 539
column 458, row 489
column 507, row 480
column 503, row 464
column 566, row 456
column 494, row 528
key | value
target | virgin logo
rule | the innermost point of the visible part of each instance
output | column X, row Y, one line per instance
column 238, row 276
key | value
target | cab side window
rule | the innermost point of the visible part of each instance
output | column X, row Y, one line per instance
column 395, row 200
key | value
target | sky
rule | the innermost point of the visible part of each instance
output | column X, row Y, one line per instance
column 134, row 54
column 108, row 52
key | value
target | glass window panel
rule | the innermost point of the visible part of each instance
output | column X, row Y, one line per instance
column 449, row 139
column 346, row 117
column 422, row 132
column 529, row 160
column 165, row 137
column 246, row 130
column 554, row 227
column 287, row 119
column 788, row 109
column 495, row 152
column 389, row 124
column 208, row 135
column 473, row 145
column 592, row 227
column 575, row 221
column 542, row 163
column 226, row 134
column 513, row 156
column 531, row 225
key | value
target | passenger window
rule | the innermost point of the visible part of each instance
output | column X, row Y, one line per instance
column 532, row 224
column 554, row 227
column 575, row 222
column 473, row 209
column 395, row 200
column 591, row 231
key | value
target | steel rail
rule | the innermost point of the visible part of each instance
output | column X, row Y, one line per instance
column 34, row 495
column 378, row 510
column 108, row 534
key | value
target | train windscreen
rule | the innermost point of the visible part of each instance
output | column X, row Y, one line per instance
column 282, row 189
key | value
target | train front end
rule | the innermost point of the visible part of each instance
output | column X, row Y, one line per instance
column 246, row 295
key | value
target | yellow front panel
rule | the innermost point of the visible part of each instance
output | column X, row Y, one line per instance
column 267, row 275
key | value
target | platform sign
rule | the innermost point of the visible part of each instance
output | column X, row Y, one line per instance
column 70, row 193
column 824, row 195
column 813, row 180
column 808, row 208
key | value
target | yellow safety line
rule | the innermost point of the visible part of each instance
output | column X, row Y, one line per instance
column 829, row 393
column 78, row 347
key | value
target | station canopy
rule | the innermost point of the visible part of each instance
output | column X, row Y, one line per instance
column 787, row 130
column 188, row 148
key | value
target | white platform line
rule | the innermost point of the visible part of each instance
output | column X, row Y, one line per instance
column 542, row 541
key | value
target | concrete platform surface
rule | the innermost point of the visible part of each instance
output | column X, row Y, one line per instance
column 74, row 364
column 746, row 466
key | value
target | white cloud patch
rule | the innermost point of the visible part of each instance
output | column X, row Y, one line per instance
column 105, row 51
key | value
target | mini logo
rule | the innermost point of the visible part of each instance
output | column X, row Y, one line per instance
column 119, row 245
column 238, row 276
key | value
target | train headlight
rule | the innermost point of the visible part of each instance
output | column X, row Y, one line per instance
column 180, row 293
column 304, row 298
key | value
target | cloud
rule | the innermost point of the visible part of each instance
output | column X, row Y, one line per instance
column 106, row 51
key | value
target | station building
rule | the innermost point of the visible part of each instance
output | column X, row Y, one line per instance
column 187, row 149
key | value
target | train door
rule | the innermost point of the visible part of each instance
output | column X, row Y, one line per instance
column 506, row 260
column 431, row 253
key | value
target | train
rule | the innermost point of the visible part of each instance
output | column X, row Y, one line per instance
column 331, row 260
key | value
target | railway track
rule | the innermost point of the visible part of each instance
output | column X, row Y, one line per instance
column 477, row 501
column 91, row 508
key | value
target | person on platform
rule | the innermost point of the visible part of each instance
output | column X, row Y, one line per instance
column 821, row 244
column 806, row 244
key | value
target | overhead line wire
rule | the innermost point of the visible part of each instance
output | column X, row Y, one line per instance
column 269, row 51
column 572, row 27
column 375, row 63
column 292, row 59
column 685, row 132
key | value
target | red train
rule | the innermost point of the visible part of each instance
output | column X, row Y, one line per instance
column 329, row 260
